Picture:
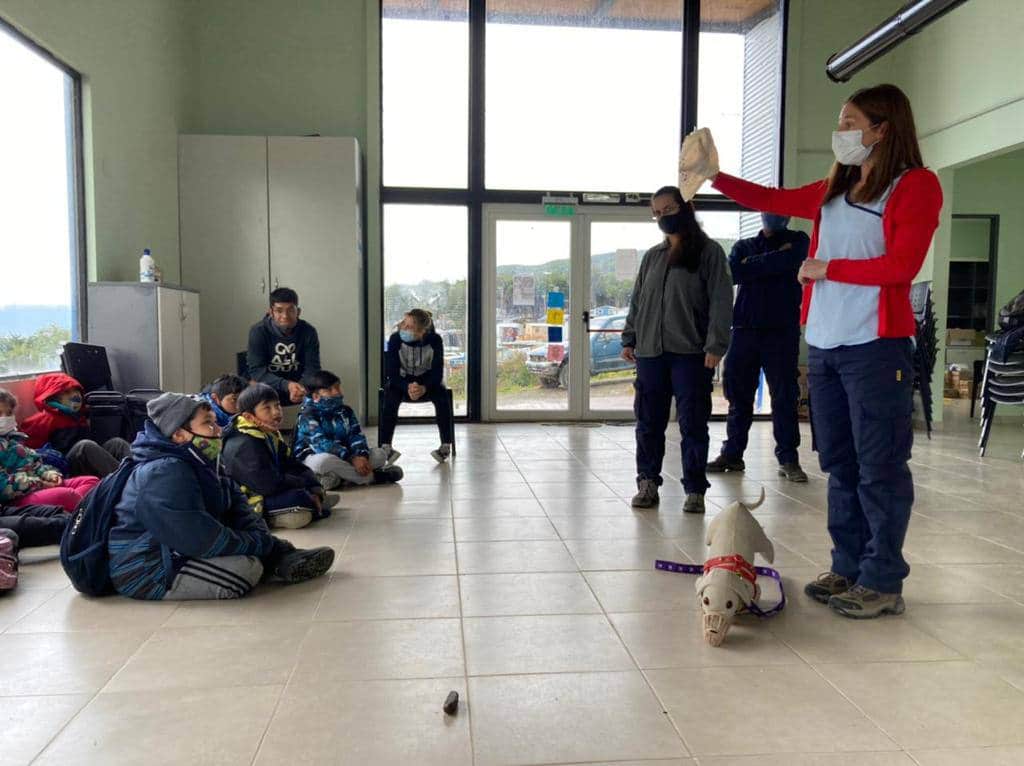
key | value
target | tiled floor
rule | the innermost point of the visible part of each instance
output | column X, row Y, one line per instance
column 520, row 577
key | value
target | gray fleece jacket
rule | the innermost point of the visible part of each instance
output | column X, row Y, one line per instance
column 674, row 311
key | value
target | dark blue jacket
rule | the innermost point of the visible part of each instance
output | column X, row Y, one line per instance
column 223, row 418
column 765, row 269
column 175, row 507
column 329, row 426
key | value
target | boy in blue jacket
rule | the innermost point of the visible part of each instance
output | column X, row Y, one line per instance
column 222, row 396
column 182, row 531
column 329, row 440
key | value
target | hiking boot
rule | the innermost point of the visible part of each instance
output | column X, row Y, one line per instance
column 289, row 518
column 826, row 586
column 388, row 475
column 793, row 472
column 647, row 494
column 694, row 503
column 723, row 464
column 301, row 565
column 392, row 454
column 860, row 603
column 329, row 481
column 442, row 453
column 8, row 559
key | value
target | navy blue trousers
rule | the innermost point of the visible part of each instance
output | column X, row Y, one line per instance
column 777, row 352
column 658, row 379
column 861, row 408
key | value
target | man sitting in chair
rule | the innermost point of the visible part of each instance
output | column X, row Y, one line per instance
column 284, row 350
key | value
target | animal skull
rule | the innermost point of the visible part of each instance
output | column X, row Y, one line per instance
column 721, row 594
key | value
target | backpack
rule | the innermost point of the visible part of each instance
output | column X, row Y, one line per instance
column 1011, row 315
column 83, row 547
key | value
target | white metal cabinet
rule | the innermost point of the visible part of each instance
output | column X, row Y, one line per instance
column 258, row 213
column 151, row 333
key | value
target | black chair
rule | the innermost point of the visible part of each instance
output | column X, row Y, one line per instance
column 1002, row 383
column 451, row 408
column 242, row 364
column 111, row 413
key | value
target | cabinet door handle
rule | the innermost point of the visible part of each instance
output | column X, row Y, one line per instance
column 275, row 283
column 263, row 285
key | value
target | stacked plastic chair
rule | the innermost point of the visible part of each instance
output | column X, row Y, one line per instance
column 1003, row 379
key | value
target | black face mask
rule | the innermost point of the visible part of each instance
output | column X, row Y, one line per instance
column 671, row 224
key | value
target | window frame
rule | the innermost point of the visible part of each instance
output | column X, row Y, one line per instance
column 76, row 186
column 476, row 194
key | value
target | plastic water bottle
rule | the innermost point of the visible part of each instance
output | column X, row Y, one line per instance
column 147, row 267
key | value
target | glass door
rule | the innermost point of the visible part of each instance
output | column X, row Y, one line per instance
column 529, row 301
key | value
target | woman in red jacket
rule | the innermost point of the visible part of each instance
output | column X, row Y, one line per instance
column 874, row 217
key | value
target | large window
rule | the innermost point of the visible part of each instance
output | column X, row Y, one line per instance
column 426, row 268
column 39, row 213
column 497, row 102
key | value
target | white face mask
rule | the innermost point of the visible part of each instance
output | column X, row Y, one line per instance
column 848, row 148
column 8, row 424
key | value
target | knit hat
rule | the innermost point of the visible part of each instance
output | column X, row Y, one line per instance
column 251, row 397
column 171, row 411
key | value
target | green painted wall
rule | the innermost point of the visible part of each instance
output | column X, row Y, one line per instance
column 134, row 57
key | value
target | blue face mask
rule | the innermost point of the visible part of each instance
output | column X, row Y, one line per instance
column 331, row 402
column 407, row 336
column 774, row 223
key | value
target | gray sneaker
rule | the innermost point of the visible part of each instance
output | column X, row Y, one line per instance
column 694, row 503
column 392, row 454
column 860, row 603
column 442, row 453
column 301, row 565
column 793, row 472
column 647, row 494
column 826, row 586
column 329, row 481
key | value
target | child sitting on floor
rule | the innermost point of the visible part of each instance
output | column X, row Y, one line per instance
column 257, row 457
column 183, row 531
column 62, row 424
column 329, row 440
column 222, row 396
column 414, row 372
column 25, row 479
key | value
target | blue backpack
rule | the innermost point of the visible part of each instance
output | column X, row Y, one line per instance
column 83, row 547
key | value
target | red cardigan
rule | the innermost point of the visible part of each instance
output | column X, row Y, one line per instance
column 909, row 221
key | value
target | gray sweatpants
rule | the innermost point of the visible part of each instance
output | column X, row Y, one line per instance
column 222, row 577
column 326, row 463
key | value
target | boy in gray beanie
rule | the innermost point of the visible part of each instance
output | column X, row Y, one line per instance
column 182, row 530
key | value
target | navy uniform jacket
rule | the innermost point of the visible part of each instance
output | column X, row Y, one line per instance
column 765, row 269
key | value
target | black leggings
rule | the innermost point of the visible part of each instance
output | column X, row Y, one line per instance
column 393, row 398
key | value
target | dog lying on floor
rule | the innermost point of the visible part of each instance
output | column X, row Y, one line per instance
column 729, row 582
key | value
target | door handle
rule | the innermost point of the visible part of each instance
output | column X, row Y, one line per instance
column 263, row 285
column 586, row 320
column 275, row 283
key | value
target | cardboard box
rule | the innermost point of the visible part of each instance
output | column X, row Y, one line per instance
column 803, row 411
column 957, row 337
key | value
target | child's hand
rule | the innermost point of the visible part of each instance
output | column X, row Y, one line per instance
column 52, row 479
column 362, row 465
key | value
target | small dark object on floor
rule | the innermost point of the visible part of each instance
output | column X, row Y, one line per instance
column 451, row 703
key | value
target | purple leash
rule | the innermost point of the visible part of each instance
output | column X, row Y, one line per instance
column 698, row 569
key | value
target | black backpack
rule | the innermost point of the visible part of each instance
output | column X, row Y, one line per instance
column 83, row 547
column 1011, row 315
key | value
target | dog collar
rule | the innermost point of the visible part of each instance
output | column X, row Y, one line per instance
column 735, row 564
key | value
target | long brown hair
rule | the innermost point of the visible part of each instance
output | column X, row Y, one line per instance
column 692, row 237
column 896, row 152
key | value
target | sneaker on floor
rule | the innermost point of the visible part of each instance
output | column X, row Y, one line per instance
column 793, row 472
column 826, row 586
column 723, row 464
column 647, row 494
column 392, row 454
column 301, row 565
column 289, row 518
column 442, row 453
column 694, row 503
column 330, row 501
column 329, row 481
column 388, row 475
column 8, row 559
column 860, row 603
